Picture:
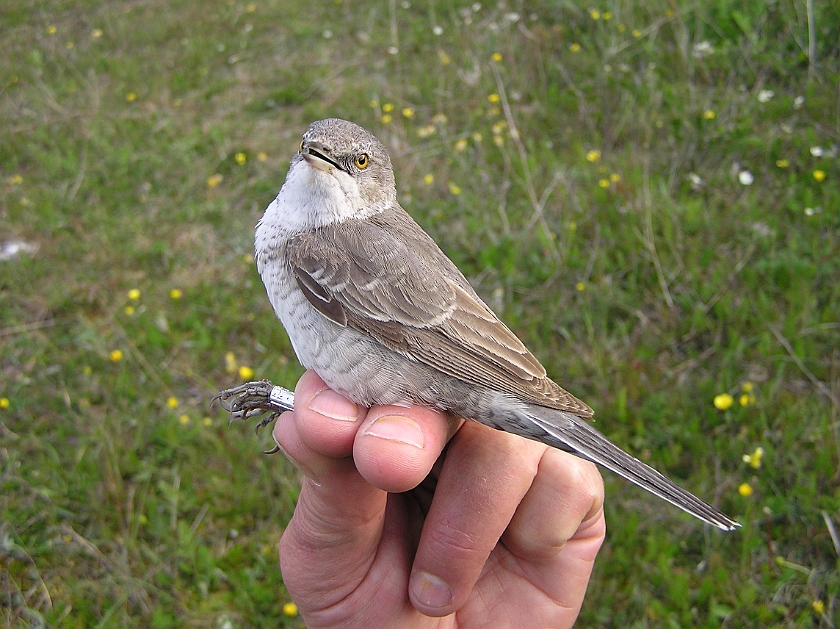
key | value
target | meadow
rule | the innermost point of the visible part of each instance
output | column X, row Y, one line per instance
column 646, row 192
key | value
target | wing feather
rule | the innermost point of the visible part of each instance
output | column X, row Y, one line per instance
column 396, row 286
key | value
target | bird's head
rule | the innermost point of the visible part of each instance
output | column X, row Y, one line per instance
column 348, row 165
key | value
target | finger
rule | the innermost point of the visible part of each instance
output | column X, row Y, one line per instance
column 485, row 475
column 554, row 587
column 332, row 539
column 334, row 533
column 562, row 580
column 566, row 492
column 326, row 421
column 396, row 447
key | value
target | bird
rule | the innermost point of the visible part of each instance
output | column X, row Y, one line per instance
column 383, row 316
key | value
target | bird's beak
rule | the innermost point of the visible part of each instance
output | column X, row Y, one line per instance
column 315, row 155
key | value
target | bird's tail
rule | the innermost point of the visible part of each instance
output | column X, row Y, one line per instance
column 573, row 434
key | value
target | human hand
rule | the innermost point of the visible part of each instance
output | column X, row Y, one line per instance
column 391, row 530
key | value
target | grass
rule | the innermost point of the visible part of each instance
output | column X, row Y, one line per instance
column 586, row 174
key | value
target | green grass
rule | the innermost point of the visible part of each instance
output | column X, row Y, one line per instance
column 645, row 294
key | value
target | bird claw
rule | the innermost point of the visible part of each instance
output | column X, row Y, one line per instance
column 253, row 399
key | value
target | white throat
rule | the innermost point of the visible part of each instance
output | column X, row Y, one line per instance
column 313, row 197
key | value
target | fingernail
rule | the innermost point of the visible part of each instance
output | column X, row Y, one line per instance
column 397, row 428
column 330, row 404
column 429, row 590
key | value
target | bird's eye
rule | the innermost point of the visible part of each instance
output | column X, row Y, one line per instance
column 362, row 160
column 300, row 148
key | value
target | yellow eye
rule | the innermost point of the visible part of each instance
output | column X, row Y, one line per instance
column 362, row 161
column 300, row 148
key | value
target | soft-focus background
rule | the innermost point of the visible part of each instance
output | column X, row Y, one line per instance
column 647, row 192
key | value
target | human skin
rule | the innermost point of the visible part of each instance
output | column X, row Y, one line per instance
column 408, row 517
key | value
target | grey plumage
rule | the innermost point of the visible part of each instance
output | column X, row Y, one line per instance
column 383, row 316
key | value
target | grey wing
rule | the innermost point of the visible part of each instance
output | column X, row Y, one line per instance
column 363, row 275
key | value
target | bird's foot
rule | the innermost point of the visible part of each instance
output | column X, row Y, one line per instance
column 253, row 399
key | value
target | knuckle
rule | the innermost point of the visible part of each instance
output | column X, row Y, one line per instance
column 450, row 540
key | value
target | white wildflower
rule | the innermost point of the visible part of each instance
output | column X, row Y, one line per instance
column 765, row 95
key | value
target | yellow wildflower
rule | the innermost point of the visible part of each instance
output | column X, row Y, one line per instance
column 595, row 14
column 184, row 419
column 134, row 294
column 636, row 32
column 425, row 132
column 4, row 402
column 131, row 97
column 575, row 47
column 747, row 387
column 819, row 175
column 176, row 293
column 497, row 57
column 782, row 163
column 290, row 609
column 745, row 490
column 444, row 58
column 754, row 459
column 388, row 107
column 214, row 180
column 386, row 119
column 593, row 155
column 499, row 126
column 407, row 112
column 709, row 114
column 206, row 422
column 251, row 8
column 240, row 158
column 723, row 401
column 262, row 156
column 129, row 310
column 52, row 30
column 429, row 179
column 746, row 399
column 615, row 177
column 818, row 606
column 477, row 137
column 16, row 180
column 96, row 33
column 116, row 355
column 580, row 287
column 460, row 145
column 454, row 189
column 246, row 373
column 606, row 15
column 604, row 183
column 172, row 402
column 69, row 45
column 621, row 28
column 494, row 98
column 230, row 362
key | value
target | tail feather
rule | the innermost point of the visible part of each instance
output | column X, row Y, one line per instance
column 578, row 436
